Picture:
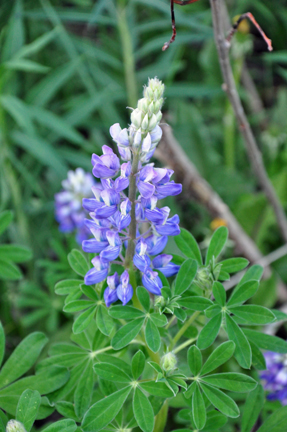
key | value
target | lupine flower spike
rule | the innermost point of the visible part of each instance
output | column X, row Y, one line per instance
column 119, row 218
column 68, row 203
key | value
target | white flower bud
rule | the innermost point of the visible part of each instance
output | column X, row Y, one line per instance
column 15, row 426
column 157, row 105
column 146, row 143
column 159, row 116
column 143, row 104
column 151, row 109
column 136, row 117
column 137, row 138
column 153, row 122
column 145, row 123
column 168, row 362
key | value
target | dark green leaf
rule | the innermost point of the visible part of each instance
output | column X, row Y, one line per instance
column 65, row 425
column 89, row 292
column 157, row 389
column 111, row 372
column 104, row 411
column 209, row 332
column 27, row 408
column 119, row 363
column 252, row 408
column 231, row 381
column 188, row 245
column 219, row 293
column 143, row 411
column 276, row 422
column 144, row 298
column 218, row 357
column 9, row 271
column 253, row 273
column 180, row 314
column 6, row 218
column 220, row 401
column 215, row 420
column 242, row 350
column 198, row 409
column 233, row 265
column 195, row 303
column 243, row 293
column 83, row 320
column 66, row 286
column 78, row 262
column 213, row 310
column 2, row 343
column 126, row 334
column 258, row 359
column 194, row 360
column 138, row 364
column 125, row 312
column 158, row 320
column 217, row 243
column 252, row 314
column 78, row 305
column 66, row 409
column 84, row 391
column 104, row 321
column 185, row 276
column 22, row 358
column 267, row 342
column 152, row 336
column 15, row 253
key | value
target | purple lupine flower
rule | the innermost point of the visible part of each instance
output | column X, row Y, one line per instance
column 110, row 294
column 274, row 378
column 113, row 212
column 125, row 290
column 68, row 203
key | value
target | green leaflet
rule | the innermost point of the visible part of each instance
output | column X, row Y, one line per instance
column 233, row 265
column 144, row 298
column 243, row 293
column 209, row 332
column 104, row 411
column 252, row 408
column 188, row 245
column 152, row 336
column 6, row 218
column 218, row 357
column 78, row 262
column 221, row 401
column 231, row 381
column 27, row 408
column 276, row 422
column 126, row 334
column 219, row 293
column 198, row 409
column 111, row 372
column 138, row 364
column 252, row 314
column 104, row 322
column 242, row 351
column 143, row 411
column 217, row 243
column 125, row 312
column 84, row 391
column 267, row 342
column 65, row 425
column 194, row 360
column 185, row 276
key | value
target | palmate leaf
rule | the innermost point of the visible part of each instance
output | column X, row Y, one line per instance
column 144, row 298
column 233, row 265
column 243, row 293
column 266, row 342
column 252, row 314
column 219, row 293
column 157, row 389
column 276, row 422
column 104, row 322
column 252, row 408
column 258, row 359
column 119, row 363
column 104, row 411
column 78, row 262
column 66, row 409
column 125, row 312
column 195, row 303
column 67, row 286
column 152, row 336
column 143, row 411
column 84, row 320
column 66, row 425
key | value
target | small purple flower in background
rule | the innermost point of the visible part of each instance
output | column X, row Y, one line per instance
column 275, row 376
column 69, row 212
column 129, row 227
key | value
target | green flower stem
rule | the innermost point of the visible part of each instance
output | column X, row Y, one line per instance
column 170, row 322
column 133, row 225
column 128, row 55
column 184, row 345
column 161, row 418
column 185, row 327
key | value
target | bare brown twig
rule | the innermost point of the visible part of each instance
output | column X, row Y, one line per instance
column 243, row 124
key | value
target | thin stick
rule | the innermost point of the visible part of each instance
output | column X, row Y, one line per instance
column 253, row 20
column 181, row 3
column 244, row 126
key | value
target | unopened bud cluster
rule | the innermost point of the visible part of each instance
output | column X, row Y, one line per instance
column 168, row 362
column 15, row 426
column 145, row 119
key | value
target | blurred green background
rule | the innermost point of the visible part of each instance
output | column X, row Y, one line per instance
column 69, row 69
